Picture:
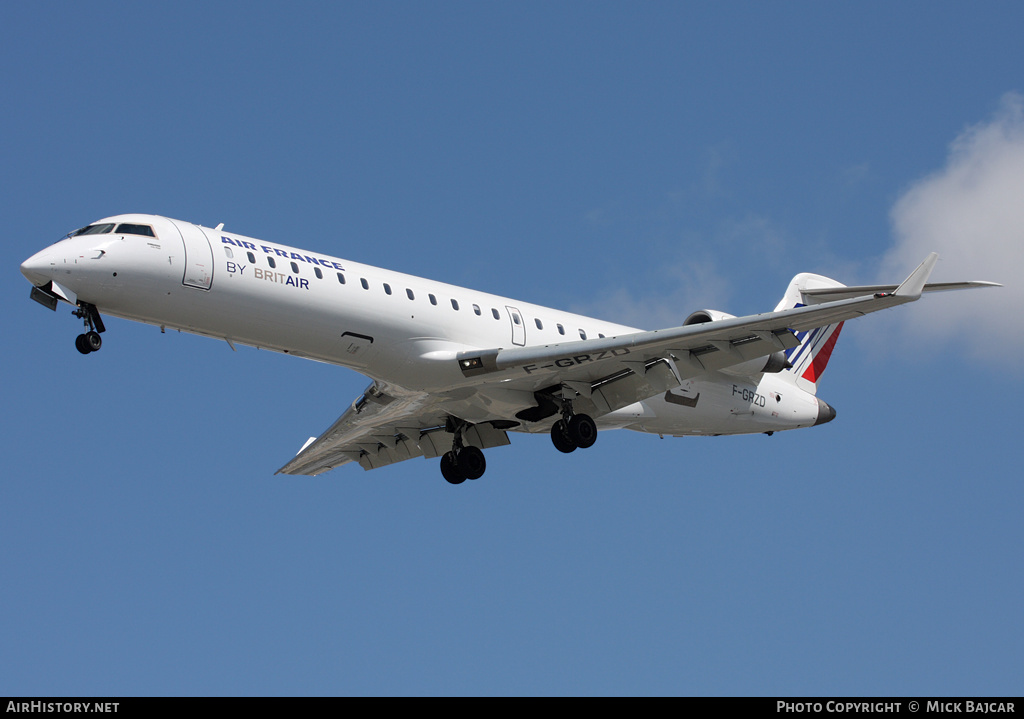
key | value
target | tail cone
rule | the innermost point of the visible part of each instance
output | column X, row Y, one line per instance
column 825, row 413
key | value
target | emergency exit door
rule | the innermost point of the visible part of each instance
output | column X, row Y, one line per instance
column 518, row 326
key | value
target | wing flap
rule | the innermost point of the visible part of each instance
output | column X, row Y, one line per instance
column 380, row 429
column 625, row 388
column 368, row 433
column 385, row 453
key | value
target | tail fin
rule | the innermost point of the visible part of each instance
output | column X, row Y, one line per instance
column 811, row 356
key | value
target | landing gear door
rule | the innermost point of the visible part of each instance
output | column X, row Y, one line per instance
column 518, row 326
column 198, row 256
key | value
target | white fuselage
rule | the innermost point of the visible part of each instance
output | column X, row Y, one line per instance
column 392, row 327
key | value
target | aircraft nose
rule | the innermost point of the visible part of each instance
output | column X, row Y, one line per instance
column 825, row 413
column 38, row 268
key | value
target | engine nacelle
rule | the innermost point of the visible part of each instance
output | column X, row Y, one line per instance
column 702, row 316
column 775, row 362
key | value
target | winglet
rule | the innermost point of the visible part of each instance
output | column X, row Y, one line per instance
column 914, row 285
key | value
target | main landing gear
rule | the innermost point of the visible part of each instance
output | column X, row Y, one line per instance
column 462, row 462
column 573, row 430
column 89, row 341
column 467, row 462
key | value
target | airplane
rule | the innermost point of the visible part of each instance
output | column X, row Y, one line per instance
column 453, row 371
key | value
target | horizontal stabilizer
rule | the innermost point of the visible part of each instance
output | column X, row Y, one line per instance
column 826, row 294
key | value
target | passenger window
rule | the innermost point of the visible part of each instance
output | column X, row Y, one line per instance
column 318, row 273
column 364, row 283
column 495, row 313
column 583, row 335
column 251, row 256
column 295, row 268
column 229, row 253
column 515, row 318
column 561, row 330
column 476, row 309
column 455, row 305
column 600, row 335
column 540, row 325
column 272, row 262
column 409, row 294
column 433, row 300
column 129, row 229
column 387, row 288
column 341, row 279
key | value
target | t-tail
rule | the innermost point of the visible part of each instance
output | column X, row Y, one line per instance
column 809, row 359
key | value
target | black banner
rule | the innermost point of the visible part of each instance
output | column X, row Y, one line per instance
column 789, row 706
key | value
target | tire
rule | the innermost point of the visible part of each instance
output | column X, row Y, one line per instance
column 582, row 430
column 81, row 345
column 93, row 341
column 560, row 438
column 471, row 462
column 449, row 469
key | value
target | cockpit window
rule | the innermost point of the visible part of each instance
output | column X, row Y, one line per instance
column 126, row 228
column 94, row 229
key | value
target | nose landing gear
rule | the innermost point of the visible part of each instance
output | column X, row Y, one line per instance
column 89, row 341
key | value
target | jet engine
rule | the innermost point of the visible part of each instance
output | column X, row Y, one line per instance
column 702, row 316
column 775, row 362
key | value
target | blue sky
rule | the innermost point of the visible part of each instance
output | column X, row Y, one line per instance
column 635, row 162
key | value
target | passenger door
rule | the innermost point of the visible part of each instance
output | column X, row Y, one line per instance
column 198, row 256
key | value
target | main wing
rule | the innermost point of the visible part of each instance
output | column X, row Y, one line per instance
column 691, row 349
column 379, row 429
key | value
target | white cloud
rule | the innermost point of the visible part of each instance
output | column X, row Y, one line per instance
column 972, row 213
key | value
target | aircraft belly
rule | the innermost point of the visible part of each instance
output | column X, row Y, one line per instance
column 729, row 405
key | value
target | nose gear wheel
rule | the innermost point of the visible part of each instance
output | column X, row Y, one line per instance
column 89, row 341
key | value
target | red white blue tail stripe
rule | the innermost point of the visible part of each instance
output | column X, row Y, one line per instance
column 811, row 356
